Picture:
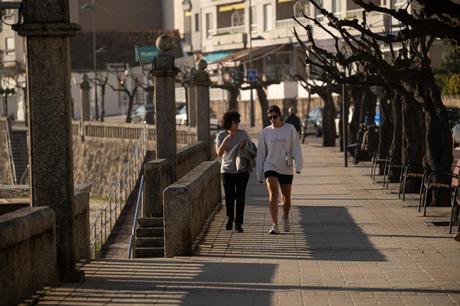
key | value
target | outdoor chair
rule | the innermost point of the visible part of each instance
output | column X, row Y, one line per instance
column 386, row 172
column 455, row 210
column 410, row 171
column 429, row 183
column 376, row 163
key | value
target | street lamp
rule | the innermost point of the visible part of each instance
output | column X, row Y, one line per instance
column 93, row 28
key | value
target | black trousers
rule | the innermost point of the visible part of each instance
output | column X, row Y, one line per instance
column 235, row 191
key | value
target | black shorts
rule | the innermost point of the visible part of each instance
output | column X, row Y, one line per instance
column 283, row 179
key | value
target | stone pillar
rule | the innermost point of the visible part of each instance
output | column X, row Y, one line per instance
column 164, row 73
column 191, row 107
column 85, row 88
column 201, row 83
column 47, row 30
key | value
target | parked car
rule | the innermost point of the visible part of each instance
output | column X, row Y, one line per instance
column 456, row 134
column 315, row 122
column 145, row 113
column 181, row 117
column 453, row 115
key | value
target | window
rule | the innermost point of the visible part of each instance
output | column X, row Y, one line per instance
column 238, row 18
column 336, row 7
column 268, row 17
column 253, row 15
column 299, row 6
column 9, row 44
column 197, row 22
column 209, row 25
column 318, row 14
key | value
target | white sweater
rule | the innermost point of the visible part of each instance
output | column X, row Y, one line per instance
column 274, row 148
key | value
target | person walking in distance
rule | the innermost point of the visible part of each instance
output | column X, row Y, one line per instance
column 230, row 143
column 294, row 120
column 278, row 154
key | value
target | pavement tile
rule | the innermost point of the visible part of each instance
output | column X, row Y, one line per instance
column 351, row 243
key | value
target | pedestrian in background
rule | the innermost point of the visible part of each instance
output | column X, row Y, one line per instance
column 234, row 146
column 278, row 154
column 294, row 120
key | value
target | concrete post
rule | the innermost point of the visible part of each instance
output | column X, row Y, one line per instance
column 201, row 83
column 191, row 107
column 85, row 97
column 164, row 73
column 47, row 30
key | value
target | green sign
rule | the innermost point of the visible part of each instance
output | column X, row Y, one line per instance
column 146, row 54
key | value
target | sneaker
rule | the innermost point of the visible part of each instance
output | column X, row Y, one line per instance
column 286, row 225
column 239, row 228
column 274, row 230
column 229, row 226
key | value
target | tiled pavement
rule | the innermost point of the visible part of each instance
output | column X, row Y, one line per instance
column 352, row 243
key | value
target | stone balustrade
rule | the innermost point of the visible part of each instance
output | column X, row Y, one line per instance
column 188, row 203
column 27, row 253
column 189, row 157
column 158, row 175
column 129, row 131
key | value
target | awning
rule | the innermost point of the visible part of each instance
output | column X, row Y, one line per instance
column 216, row 56
column 243, row 56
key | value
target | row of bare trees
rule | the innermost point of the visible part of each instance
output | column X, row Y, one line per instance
column 393, row 67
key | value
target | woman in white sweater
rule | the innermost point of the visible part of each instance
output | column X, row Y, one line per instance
column 278, row 155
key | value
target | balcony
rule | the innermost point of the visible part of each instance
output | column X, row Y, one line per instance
column 284, row 28
column 229, row 38
column 230, row 30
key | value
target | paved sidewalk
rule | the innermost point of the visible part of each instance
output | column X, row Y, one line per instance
column 352, row 243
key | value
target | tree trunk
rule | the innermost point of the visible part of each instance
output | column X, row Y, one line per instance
column 233, row 99
column 353, row 126
column 102, row 102
column 395, row 149
column 438, row 155
column 413, row 140
column 262, row 97
column 328, row 117
column 386, row 125
column 131, row 97
column 96, row 102
column 370, row 102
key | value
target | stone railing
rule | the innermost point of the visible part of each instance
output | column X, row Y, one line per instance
column 27, row 253
column 81, row 225
column 184, row 134
column 158, row 175
column 188, row 204
column 189, row 157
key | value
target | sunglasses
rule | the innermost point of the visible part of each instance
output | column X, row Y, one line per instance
column 273, row 117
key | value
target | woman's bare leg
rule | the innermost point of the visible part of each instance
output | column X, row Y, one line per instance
column 273, row 195
column 286, row 191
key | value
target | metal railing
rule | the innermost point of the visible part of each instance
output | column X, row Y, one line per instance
column 185, row 134
column 120, row 191
column 137, row 213
column 230, row 30
column 24, row 175
column 10, row 151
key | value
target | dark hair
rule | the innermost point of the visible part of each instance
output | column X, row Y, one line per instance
column 274, row 109
column 228, row 118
